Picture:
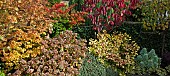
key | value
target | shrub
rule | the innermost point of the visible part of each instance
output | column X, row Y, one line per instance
column 104, row 14
column 65, row 20
column 60, row 56
column 22, row 23
column 1, row 70
column 116, row 50
column 147, row 62
column 85, row 32
column 155, row 14
column 92, row 67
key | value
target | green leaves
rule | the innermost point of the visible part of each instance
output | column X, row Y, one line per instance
column 139, row 58
column 154, row 13
column 1, row 38
column 61, row 25
column 2, row 74
column 98, row 4
column 110, row 12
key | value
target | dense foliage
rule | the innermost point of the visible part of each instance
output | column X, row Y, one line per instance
column 116, row 50
column 37, row 37
column 92, row 67
column 21, row 25
column 60, row 56
column 65, row 19
column 147, row 62
column 156, row 14
column 104, row 14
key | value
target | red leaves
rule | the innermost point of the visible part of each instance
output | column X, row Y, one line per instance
column 47, row 9
column 58, row 5
column 126, row 12
column 57, row 8
column 121, row 4
column 133, row 4
column 111, row 23
column 77, row 18
column 101, row 12
column 73, row 18
column 117, row 19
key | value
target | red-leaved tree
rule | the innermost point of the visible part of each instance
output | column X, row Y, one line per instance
column 104, row 14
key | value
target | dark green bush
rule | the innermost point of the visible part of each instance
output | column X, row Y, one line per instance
column 85, row 32
column 61, row 25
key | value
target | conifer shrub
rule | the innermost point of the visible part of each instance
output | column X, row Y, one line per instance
column 92, row 67
column 148, row 63
column 116, row 50
column 61, row 56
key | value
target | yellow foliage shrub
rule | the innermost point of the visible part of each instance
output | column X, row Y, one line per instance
column 22, row 23
column 116, row 50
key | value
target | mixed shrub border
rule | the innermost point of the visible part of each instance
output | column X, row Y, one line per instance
column 47, row 37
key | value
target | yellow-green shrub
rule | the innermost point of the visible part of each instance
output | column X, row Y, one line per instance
column 116, row 50
column 155, row 14
column 22, row 23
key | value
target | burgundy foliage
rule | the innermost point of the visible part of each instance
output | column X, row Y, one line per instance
column 104, row 14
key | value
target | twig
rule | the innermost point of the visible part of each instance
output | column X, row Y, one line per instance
column 133, row 23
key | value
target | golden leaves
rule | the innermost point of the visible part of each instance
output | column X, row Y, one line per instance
column 155, row 14
column 56, row 62
column 21, row 45
column 116, row 47
column 21, row 25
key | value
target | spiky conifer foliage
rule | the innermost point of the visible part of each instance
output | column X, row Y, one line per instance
column 147, row 62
